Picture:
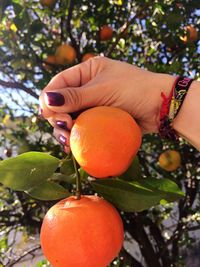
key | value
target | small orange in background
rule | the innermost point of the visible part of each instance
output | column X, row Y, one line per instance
column 192, row 35
column 47, row 3
column 106, row 33
column 104, row 140
column 82, row 233
column 87, row 56
column 49, row 61
column 170, row 160
column 65, row 54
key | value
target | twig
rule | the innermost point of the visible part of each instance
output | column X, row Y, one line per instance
column 22, row 256
column 18, row 86
column 123, row 29
column 130, row 258
column 69, row 29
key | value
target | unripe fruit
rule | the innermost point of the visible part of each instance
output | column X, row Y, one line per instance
column 170, row 160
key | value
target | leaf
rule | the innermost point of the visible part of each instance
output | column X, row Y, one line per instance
column 67, row 166
column 136, row 196
column 133, row 172
column 165, row 185
column 27, row 170
column 70, row 179
column 48, row 191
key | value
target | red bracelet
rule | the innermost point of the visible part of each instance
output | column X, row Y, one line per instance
column 171, row 106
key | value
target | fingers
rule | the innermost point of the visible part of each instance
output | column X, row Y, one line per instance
column 62, row 124
column 62, row 137
column 70, row 80
column 61, row 121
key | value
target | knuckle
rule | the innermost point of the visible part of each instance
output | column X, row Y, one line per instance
column 73, row 97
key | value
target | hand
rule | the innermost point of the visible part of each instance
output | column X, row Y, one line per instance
column 102, row 81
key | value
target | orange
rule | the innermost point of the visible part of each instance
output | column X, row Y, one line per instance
column 192, row 35
column 47, row 3
column 104, row 141
column 65, row 54
column 105, row 33
column 170, row 160
column 87, row 56
column 49, row 61
column 81, row 233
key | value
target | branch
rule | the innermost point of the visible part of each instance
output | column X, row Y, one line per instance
column 130, row 259
column 17, row 85
column 137, row 231
column 23, row 256
column 69, row 29
column 123, row 30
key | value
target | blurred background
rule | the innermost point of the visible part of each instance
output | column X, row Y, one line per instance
column 39, row 39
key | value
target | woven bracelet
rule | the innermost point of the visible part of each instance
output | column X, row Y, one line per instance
column 171, row 106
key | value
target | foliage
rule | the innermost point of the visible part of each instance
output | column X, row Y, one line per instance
column 146, row 33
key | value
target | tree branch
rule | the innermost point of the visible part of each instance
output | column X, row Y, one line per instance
column 123, row 30
column 69, row 29
column 129, row 259
column 136, row 230
column 18, row 86
column 23, row 256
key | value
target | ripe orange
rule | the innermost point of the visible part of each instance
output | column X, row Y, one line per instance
column 47, row 3
column 50, row 60
column 104, row 141
column 87, row 56
column 170, row 160
column 82, row 233
column 65, row 54
column 192, row 34
column 106, row 33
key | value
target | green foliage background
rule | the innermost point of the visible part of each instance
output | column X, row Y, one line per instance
column 146, row 33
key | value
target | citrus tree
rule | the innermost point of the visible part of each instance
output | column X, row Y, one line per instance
column 158, row 196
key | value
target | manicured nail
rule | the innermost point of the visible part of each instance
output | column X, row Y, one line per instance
column 62, row 125
column 55, row 99
column 62, row 140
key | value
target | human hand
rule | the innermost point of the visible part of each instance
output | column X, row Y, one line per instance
column 101, row 81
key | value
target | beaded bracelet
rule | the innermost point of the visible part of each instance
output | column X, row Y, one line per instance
column 171, row 106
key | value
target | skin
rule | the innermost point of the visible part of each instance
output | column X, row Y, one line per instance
column 102, row 81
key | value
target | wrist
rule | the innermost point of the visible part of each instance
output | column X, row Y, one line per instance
column 165, row 84
column 186, row 123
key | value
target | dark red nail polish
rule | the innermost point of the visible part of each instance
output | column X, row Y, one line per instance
column 62, row 125
column 55, row 99
column 62, row 140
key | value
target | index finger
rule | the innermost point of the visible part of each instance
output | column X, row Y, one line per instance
column 75, row 76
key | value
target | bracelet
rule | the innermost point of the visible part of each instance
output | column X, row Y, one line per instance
column 171, row 106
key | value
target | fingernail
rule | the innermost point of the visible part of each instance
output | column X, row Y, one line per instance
column 55, row 99
column 62, row 140
column 62, row 125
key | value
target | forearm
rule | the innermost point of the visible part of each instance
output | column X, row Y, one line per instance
column 187, row 122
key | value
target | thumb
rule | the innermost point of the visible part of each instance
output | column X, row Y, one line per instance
column 70, row 99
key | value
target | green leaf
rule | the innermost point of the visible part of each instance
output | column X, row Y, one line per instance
column 48, row 191
column 133, row 172
column 67, row 166
column 136, row 196
column 70, row 179
column 27, row 170
column 164, row 185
